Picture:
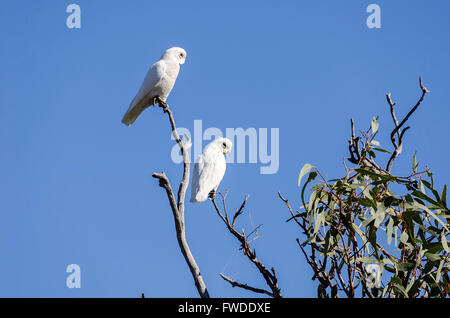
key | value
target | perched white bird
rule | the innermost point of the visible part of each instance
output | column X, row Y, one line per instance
column 158, row 83
column 209, row 169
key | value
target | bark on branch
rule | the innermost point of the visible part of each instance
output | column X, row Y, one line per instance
column 245, row 286
column 397, row 135
column 269, row 275
column 177, row 205
column 398, row 131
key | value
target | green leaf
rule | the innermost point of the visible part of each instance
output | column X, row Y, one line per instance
column 366, row 202
column 312, row 202
column 424, row 197
column 318, row 222
column 415, row 164
column 311, row 239
column 372, row 175
column 414, row 285
column 318, row 187
column 411, row 283
column 422, row 188
column 365, row 259
column 404, row 237
column 444, row 195
column 374, row 125
column 305, row 169
column 434, row 247
column 430, row 186
column 433, row 257
column 368, row 221
column 388, row 201
column 360, row 233
column 390, row 226
column 381, row 150
column 439, row 270
column 327, row 242
column 380, row 215
column 419, row 257
column 401, row 290
column 397, row 285
column 404, row 267
column 311, row 177
column 423, row 228
column 423, row 207
column 395, row 236
column 444, row 242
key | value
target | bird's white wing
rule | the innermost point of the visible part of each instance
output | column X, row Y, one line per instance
column 196, row 173
column 143, row 98
column 208, row 173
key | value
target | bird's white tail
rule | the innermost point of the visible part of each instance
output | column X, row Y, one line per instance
column 133, row 112
column 198, row 197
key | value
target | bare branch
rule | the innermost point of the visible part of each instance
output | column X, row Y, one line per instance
column 398, row 143
column 164, row 183
column 177, row 207
column 184, row 148
column 394, row 117
column 269, row 276
column 356, row 156
column 245, row 286
column 239, row 211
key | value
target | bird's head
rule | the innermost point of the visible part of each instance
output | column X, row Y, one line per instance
column 224, row 144
column 175, row 53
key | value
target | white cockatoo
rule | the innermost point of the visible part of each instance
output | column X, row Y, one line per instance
column 158, row 83
column 209, row 169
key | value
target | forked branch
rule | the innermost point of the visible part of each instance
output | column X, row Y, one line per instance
column 177, row 205
column 398, row 133
column 269, row 275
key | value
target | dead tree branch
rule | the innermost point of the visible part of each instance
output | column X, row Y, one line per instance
column 177, row 206
column 269, row 275
column 397, row 135
column 398, row 142
column 245, row 286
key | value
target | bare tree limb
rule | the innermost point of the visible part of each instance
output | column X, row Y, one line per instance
column 398, row 143
column 268, row 275
column 245, row 286
column 177, row 206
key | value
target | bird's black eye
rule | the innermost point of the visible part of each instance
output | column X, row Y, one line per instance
column 224, row 145
column 181, row 55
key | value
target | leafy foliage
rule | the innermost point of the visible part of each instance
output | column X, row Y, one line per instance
column 370, row 219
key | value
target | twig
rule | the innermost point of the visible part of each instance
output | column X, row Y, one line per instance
column 356, row 156
column 269, row 276
column 177, row 206
column 245, row 286
column 398, row 143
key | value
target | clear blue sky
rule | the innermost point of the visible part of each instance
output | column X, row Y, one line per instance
column 76, row 184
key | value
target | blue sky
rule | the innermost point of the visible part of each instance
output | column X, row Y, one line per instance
column 76, row 184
